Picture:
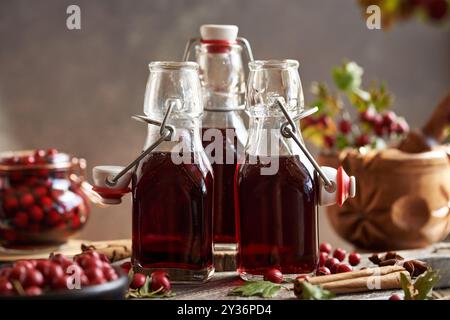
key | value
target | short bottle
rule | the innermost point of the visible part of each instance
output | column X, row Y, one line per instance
column 277, row 190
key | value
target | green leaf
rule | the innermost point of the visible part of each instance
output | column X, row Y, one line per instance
column 424, row 284
column 348, row 77
column 407, row 287
column 265, row 289
column 314, row 292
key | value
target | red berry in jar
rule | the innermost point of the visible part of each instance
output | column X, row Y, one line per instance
column 53, row 217
column 345, row 126
column 34, row 278
column 26, row 200
column 273, row 275
column 76, row 222
column 36, row 213
column 354, row 258
column 21, row 220
column 10, row 203
column 323, row 271
column 33, row 291
column 325, row 247
column 46, row 202
column 343, row 267
column 339, row 254
column 52, row 152
column 395, row 297
column 160, row 281
column 138, row 281
column 331, row 262
column 27, row 160
column 323, row 258
column 39, row 154
column 40, row 191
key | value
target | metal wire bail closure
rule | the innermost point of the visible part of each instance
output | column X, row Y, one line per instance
column 338, row 186
column 166, row 133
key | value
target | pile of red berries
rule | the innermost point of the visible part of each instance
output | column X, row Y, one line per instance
column 157, row 282
column 331, row 262
column 35, row 277
column 37, row 199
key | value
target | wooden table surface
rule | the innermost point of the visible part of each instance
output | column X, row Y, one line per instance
column 222, row 282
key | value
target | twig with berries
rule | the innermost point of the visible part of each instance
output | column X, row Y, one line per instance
column 333, row 128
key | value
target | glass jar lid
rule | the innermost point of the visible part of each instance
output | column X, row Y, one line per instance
column 34, row 159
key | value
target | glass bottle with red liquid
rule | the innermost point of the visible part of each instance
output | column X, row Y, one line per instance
column 172, row 181
column 219, row 53
column 277, row 190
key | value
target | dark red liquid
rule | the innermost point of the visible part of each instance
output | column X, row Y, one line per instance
column 224, row 216
column 172, row 214
column 276, row 218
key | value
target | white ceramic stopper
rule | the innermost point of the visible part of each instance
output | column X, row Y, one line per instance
column 345, row 187
column 100, row 173
column 219, row 32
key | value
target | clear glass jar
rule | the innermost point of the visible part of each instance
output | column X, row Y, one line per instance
column 42, row 201
column 275, row 189
column 223, row 129
column 172, row 187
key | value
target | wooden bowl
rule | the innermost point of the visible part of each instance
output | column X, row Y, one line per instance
column 402, row 200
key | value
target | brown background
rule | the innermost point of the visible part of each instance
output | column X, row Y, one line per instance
column 76, row 90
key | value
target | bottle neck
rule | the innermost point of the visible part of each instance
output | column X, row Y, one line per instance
column 265, row 138
column 222, row 77
column 186, row 138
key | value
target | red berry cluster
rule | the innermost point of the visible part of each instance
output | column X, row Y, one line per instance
column 35, row 277
column 330, row 263
column 38, row 199
column 159, row 281
column 383, row 124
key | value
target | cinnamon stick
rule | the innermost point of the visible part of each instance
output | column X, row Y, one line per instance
column 370, row 279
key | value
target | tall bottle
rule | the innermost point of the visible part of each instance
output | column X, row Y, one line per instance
column 172, row 186
column 219, row 54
